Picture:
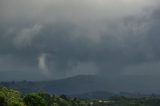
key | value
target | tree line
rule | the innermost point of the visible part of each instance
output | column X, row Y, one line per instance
column 10, row 97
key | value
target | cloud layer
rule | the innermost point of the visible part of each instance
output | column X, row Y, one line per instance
column 56, row 38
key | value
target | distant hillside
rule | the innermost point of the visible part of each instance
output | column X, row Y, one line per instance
column 84, row 86
column 95, row 95
column 75, row 85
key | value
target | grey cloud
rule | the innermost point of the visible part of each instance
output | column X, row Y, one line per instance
column 79, row 37
column 26, row 36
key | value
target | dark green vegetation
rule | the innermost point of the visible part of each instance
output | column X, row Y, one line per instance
column 9, row 97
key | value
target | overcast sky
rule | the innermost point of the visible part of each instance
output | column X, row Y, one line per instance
column 53, row 39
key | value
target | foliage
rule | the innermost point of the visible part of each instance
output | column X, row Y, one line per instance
column 9, row 97
column 34, row 99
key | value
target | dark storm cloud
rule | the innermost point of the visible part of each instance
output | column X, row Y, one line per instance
column 57, row 39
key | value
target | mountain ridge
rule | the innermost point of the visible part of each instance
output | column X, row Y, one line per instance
column 73, row 85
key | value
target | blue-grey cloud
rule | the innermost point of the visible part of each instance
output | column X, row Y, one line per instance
column 56, row 38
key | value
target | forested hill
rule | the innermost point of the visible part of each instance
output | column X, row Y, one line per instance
column 83, row 86
column 70, row 86
column 10, row 97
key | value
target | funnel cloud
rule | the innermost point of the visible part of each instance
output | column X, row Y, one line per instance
column 43, row 64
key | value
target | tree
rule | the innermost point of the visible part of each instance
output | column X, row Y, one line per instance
column 9, row 97
column 34, row 99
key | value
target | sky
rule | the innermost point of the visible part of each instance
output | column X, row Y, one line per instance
column 54, row 39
